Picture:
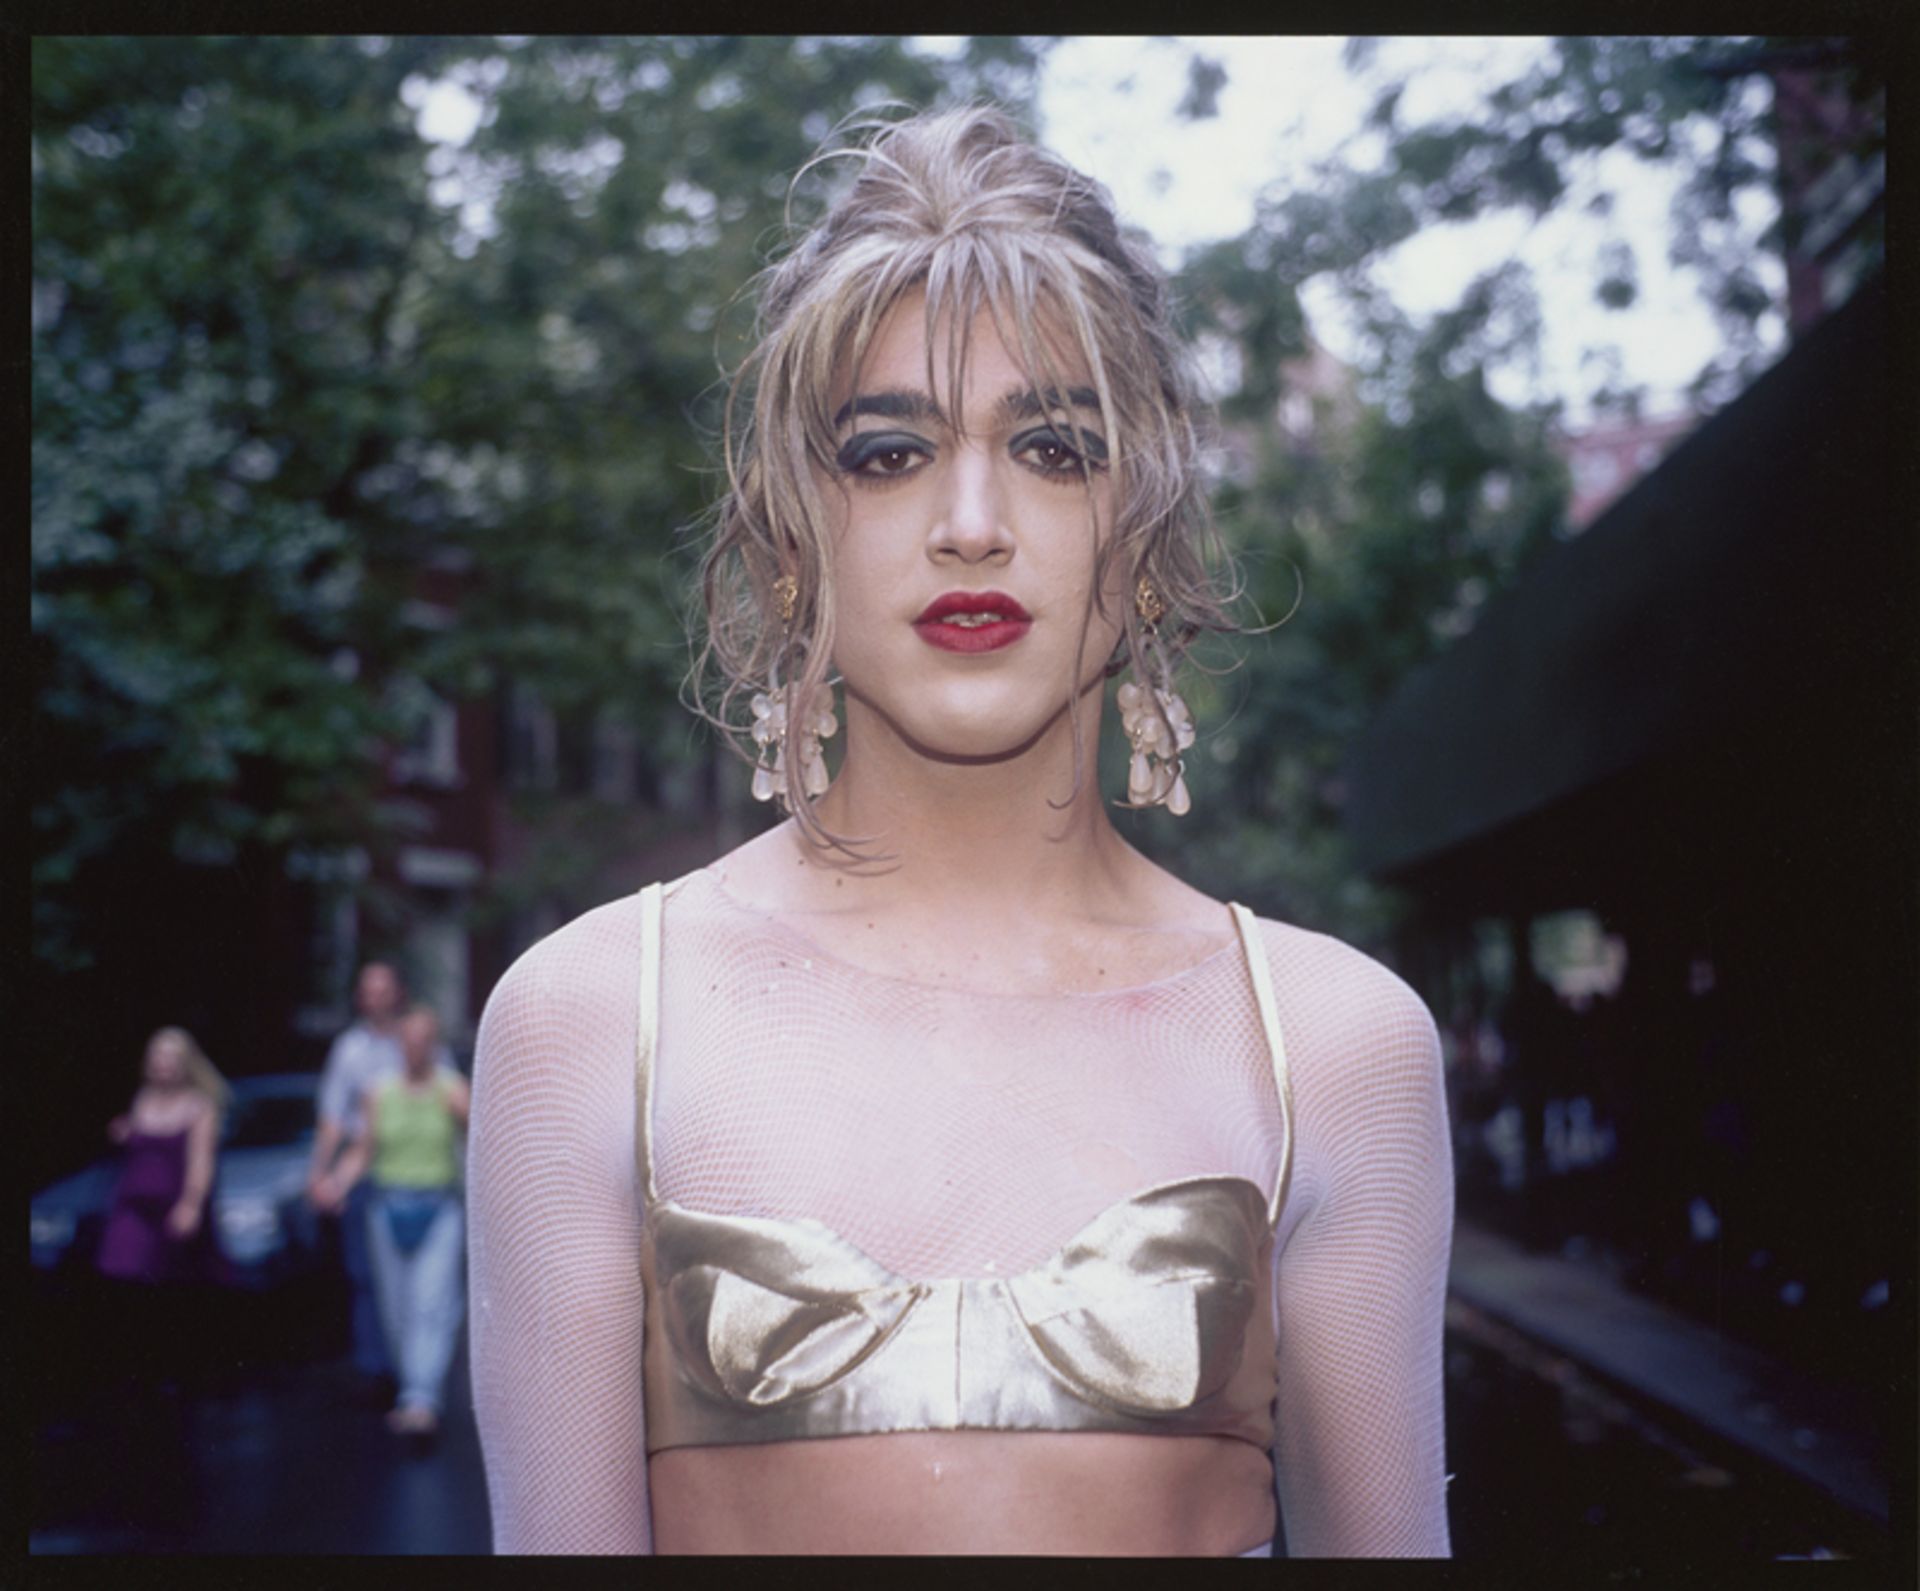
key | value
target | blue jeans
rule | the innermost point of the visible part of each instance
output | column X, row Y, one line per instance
column 369, row 1341
column 420, row 1285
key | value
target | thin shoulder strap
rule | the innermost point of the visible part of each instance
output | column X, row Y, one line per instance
column 1262, row 976
column 649, row 1035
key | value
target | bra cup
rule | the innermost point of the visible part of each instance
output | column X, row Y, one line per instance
column 758, row 1346
column 827, row 1309
column 1157, row 1353
column 1146, row 1310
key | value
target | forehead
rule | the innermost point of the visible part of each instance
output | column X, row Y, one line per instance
column 897, row 356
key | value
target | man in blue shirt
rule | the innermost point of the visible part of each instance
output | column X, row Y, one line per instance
column 361, row 1058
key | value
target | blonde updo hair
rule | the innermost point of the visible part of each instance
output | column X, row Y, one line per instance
column 956, row 202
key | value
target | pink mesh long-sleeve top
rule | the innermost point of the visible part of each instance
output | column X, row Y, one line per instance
column 948, row 1133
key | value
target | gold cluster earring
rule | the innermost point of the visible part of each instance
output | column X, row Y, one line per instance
column 772, row 712
column 1156, row 719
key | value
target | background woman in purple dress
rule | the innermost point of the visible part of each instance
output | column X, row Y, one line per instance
column 159, row 1233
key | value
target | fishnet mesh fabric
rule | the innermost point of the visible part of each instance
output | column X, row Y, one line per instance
column 947, row 1133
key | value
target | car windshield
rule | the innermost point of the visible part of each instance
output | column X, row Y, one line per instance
column 268, row 1120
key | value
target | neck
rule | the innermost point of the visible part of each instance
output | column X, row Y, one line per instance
column 975, row 836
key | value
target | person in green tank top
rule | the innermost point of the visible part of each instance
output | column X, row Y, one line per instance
column 410, row 1152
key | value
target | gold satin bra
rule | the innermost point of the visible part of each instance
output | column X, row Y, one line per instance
column 1153, row 1318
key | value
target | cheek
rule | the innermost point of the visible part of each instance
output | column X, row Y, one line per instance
column 875, row 558
column 861, row 613
column 1073, row 558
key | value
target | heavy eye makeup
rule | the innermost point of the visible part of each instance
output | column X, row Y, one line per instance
column 1067, row 455
column 878, row 458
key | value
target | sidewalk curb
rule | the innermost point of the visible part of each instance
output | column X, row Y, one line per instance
column 1765, row 1407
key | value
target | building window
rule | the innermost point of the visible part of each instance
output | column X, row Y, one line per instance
column 1597, row 472
column 688, row 789
column 438, row 961
column 431, row 753
column 533, row 741
column 1574, row 952
column 616, row 751
column 433, row 867
column 333, row 937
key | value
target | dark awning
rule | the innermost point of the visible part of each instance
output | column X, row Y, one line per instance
column 1756, row 566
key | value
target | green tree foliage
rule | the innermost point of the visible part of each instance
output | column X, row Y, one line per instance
column 283, row 361
column 1377, row 533
column 638, row 184
column 1397, row 517
column 221, row 232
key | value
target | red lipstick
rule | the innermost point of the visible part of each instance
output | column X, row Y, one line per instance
column 972, row 621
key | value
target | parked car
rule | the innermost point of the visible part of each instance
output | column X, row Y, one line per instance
column 266, row 1228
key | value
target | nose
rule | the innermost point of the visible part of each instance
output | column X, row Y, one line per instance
column 970, row 522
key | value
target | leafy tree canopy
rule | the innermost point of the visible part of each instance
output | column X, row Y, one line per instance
column 1416, row 497
column 281, row 365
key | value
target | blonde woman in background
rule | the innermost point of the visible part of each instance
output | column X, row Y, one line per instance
column 936, row 1173
column 157, row 1227
column 158, row 1245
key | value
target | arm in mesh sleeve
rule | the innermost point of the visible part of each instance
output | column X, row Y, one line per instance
column 1360, row 1448
column 554, row 1250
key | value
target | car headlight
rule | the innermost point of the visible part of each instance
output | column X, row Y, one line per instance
column 52, row 1229
column 248, row 1219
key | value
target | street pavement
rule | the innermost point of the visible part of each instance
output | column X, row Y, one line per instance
column 288, row 1462
column 1823, row 1430
column 1554, row 1467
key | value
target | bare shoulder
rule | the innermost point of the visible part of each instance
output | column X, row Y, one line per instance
column 199, row 1114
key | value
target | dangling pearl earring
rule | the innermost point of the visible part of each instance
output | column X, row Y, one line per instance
column 1159, row 732
column 771, row 711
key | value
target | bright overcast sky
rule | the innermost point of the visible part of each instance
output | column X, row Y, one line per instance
column 1107, row 104
column 1289, row 102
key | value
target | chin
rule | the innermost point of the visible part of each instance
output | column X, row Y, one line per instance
column 973, row 731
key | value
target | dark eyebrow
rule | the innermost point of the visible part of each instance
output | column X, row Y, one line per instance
column 1020, row 404
column 1030, row 405
column 891, row 405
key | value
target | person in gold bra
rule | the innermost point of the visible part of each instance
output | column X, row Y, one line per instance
column 934, row 1173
